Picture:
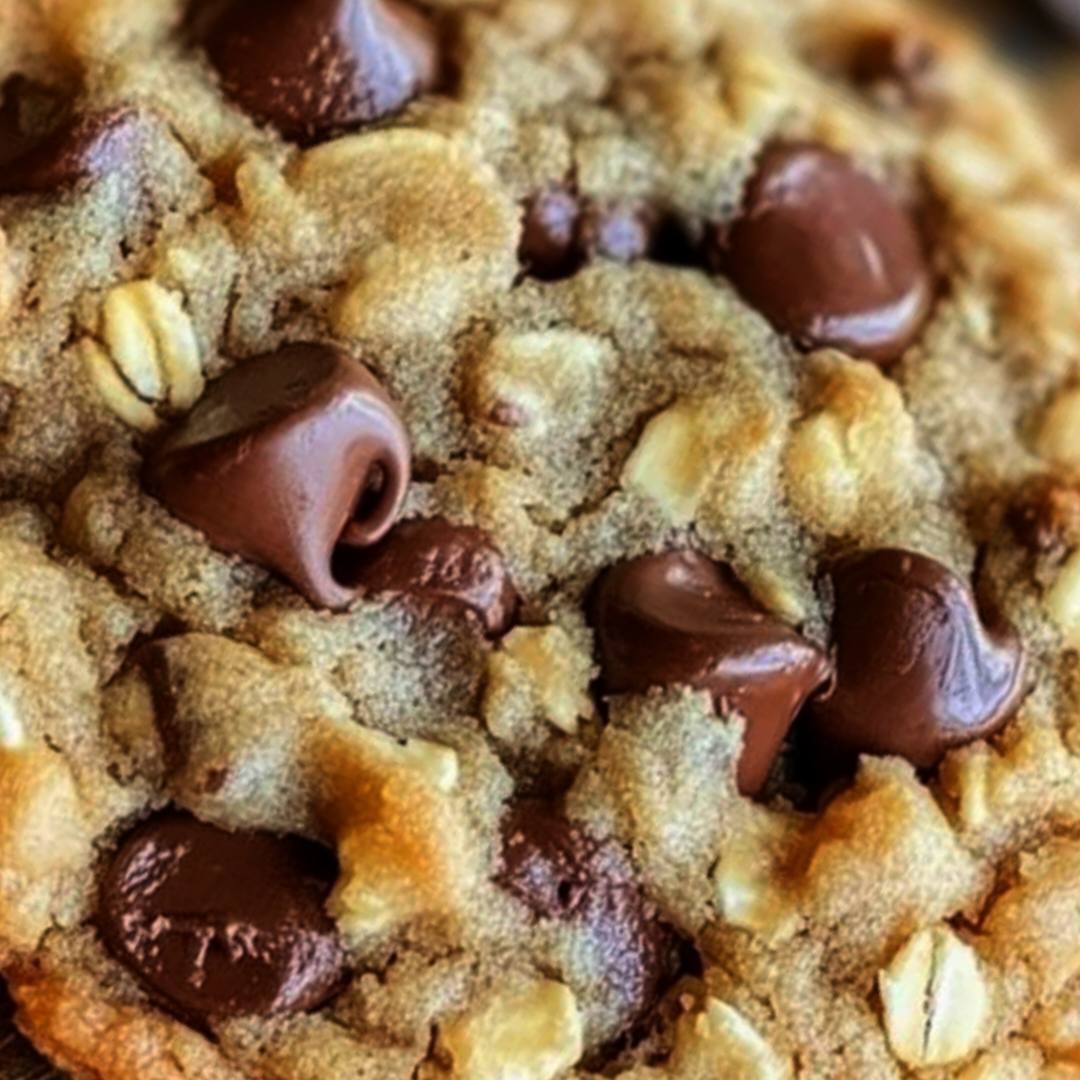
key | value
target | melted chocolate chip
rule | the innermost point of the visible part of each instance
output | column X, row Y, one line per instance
column 560, row 872
column 620, row 231
column 561, row 232
column 81, row 150
column 682, row 619
column 547, row 861
column 277, row 460
column 219, row 924
column 917, row 672
column 549, row 248
column 826, row 253
column 433, row 564
column 314, row 67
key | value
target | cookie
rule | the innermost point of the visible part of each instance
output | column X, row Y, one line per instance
column 538, row 539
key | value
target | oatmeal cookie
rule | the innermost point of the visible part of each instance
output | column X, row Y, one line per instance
column 539, row 539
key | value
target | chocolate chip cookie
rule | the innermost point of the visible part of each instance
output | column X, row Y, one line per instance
column 539, row 539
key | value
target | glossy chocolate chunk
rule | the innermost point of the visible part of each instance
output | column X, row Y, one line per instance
column 917, row 671
column 619, row 231
column 562, row 231
column 549, row 234
column 682, row 619
column 220, row 924
column 560, row 872
column 314, row 67
column 827, row 254
column 433, row 564
column 285, row 458
column 81, row 150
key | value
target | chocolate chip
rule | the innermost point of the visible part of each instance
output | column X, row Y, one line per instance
column 620, row 231
column 561, row 232
column 547, row 861
column 1045, row 516
column 827, row 254
column 81, row 150
column 561, row 873
column 274, row 464
column 549, row 238
column 219, row 924
column 895, row 67
column 682, row 619
column 314, row 67
column 433, row 564
column 918, row 672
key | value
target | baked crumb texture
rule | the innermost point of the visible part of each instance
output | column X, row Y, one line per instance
column 583, row 270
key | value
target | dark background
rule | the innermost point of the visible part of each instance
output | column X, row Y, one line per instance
column 1025, row 29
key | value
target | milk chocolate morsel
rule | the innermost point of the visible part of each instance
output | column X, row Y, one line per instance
column 549, row 236
column 219, row 924
column 283, row 459
column 82, row 150
column 827, row 254
column 620, row 231
column 682, row 619
column 560, row 872
column 561, row 232
column 433, row 564
column 917, row 671
column 313, row 67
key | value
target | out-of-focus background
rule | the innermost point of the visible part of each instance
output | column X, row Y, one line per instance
column 1035, row 32
column 1039, row 37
